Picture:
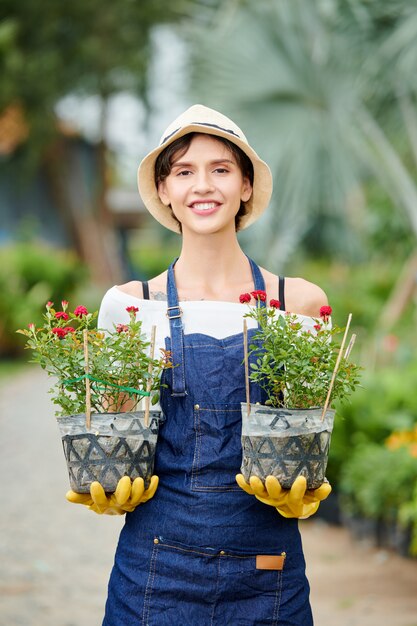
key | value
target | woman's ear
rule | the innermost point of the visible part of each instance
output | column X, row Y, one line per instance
column 246, row 189
column 162, row 193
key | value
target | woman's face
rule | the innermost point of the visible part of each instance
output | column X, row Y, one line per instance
column 205, row 187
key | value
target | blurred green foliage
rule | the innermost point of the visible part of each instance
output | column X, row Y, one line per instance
column 30, row 275
column 408, row 517
column 386, row 402
column 11, row 367
column 150, row 255
column 49, row 49
column 377, row 481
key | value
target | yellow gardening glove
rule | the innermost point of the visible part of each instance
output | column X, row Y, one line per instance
column 127, row 496
column 295, row 502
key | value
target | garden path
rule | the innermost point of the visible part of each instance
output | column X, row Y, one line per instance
column 56, row 557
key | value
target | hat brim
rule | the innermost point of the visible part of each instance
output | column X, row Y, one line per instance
column 255, row 206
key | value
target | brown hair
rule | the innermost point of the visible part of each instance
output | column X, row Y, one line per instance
column 180, row 146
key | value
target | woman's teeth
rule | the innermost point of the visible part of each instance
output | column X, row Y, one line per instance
column 205, row 206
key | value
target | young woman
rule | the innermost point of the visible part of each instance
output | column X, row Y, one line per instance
column 206, row 548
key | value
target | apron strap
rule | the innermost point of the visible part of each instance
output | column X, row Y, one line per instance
column 258, row 279
column 174, row 315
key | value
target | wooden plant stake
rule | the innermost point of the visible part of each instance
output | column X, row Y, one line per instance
column 350, row 346
column 149, row 385
column 245, row 350
column 87, row 382
column 336, row 367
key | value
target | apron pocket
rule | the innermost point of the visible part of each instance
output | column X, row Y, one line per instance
column 189, row 585
column 218, row 448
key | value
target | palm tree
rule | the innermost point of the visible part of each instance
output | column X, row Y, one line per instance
column 302, row 78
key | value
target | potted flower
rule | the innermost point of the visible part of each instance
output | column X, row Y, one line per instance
column 300, row 369
column 100, row 379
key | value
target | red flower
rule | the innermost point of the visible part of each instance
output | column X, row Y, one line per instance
column 325, row 312
column 259, row 295
column 31, row 326
column 122, row 328
column 62, row 315
column 59, row 332
column 49, row 304
column 64, row 304
column 80, row 311
column 132, row 309
column 69, row 329
column 244, row 297
column 275, row 304
column 317, row 327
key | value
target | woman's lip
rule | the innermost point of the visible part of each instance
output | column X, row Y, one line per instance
column 197, row 211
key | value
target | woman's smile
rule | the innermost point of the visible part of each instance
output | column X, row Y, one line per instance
column 204, row 207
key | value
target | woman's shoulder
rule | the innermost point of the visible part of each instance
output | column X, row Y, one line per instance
column 301, row 296
column 304, row 297
column 132, row 288
column 157, row 287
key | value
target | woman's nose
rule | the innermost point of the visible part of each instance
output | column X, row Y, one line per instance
column 202, row 182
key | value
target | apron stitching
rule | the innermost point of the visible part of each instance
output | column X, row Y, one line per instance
column 216, row 592
column 210, row 345
column 196, row 459
column 182, row 368
column 220, row 488
column 222, row 410
column 277, row 603
column 168, row 545
column 177, row 335
column 149, row 587
column 208, row 555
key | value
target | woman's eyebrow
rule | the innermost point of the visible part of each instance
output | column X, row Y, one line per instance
column 217, row 161
column 181, row 164
column 189, row 163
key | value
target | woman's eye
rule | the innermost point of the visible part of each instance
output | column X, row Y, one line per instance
column 221, row 170
column 184, row 173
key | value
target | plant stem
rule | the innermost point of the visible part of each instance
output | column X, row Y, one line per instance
column 245, row 349
column 149, row 385
column 87, row 383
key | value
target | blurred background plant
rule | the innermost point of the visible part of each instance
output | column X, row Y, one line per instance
column 30, row 275
column 327, row 94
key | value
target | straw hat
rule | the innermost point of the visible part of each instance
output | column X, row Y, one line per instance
column 201, row 119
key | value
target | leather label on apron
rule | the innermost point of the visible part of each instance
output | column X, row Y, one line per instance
column 267, row 561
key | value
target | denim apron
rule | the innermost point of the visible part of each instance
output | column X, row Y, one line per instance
column 188, row 556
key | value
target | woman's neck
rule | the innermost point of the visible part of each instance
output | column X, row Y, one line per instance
column 212, row 267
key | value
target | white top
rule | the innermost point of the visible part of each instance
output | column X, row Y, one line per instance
column 214, row 318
